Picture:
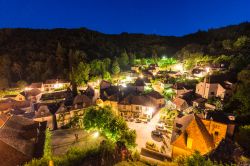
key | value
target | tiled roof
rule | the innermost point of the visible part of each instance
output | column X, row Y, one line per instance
column 36, row 85
column 82, row 99
column 139, row 82
column 17, row 132
column 179, row 101
column 143, row 100
column 155, row 95
column 3, row 119
column 182, row 124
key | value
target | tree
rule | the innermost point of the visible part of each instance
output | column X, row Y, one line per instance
column 132, row 58
column 21, row 84
column 60, row 53
column 113, row 127
column 81, row 74
column 5, row 64
column 107, row 76
column 243, row 137
column 239, row 62
column 96, row 67
column 240, row 42
column 154, row 56
column 195, row 159
column 17, row 69
column 227, row 44
column 240, row 101
column 106, row 64
column 123, row 60
column 115, row 67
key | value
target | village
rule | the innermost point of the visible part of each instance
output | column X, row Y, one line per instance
column 174, row 111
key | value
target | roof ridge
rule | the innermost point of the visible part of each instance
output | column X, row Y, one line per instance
column 206, row 136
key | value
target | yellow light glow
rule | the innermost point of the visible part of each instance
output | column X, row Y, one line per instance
column 96, row 134
column 27, row 89
column 128, row 78
column 58, row 85
column 207, row 69
column 179, row 67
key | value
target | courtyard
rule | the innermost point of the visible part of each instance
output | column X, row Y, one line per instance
column 63, row 140
column 143, row 134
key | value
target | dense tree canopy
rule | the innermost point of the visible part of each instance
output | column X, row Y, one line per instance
column 114, row 127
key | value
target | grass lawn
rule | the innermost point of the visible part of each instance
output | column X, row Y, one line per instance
column 63, row 140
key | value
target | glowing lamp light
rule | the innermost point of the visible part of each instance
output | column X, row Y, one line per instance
column 150, row 111
column 96, row 134
column 128, row 78
column 27, row 89
column 58, row 85
column 163, row 57
column 207, row 69
column 141, row 76
column 179, row 67
column 124, row 85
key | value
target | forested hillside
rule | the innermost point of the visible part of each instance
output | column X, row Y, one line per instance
column 39, row 54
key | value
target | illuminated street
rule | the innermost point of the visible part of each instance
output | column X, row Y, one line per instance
column 143, row 132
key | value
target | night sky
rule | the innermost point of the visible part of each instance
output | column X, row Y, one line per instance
column 164, row 17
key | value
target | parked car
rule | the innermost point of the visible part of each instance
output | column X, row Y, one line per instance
column 156, row 133
column 137, row 120
column 152, row 146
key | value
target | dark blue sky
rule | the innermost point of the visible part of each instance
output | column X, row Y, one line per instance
column 164, row 17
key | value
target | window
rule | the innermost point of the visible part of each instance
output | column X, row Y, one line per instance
column 124, row 106
column 137, row 107
column 212, row 93
column 216, row 133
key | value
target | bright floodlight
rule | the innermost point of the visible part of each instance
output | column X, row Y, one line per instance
column 128, row 78
column 150, row 111
column 58, row 85
column 179, row 67
column 163, row 57
column 124, row 85
column 207, row 69
column 27, row 89
column 96, row 134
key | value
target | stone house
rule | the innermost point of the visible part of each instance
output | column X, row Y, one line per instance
column 180, row 104
column 136, row 105
column 192, row 133
column 35, row 85
column 212, row 88
column 53, row 84
column 157, row 98
column 20, row 140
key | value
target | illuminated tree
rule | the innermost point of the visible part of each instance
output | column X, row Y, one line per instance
column 240, row 42
column 106, row 76
column 81, row 75
column 115, row 67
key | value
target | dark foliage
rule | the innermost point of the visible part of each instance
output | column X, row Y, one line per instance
column 36, row 55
